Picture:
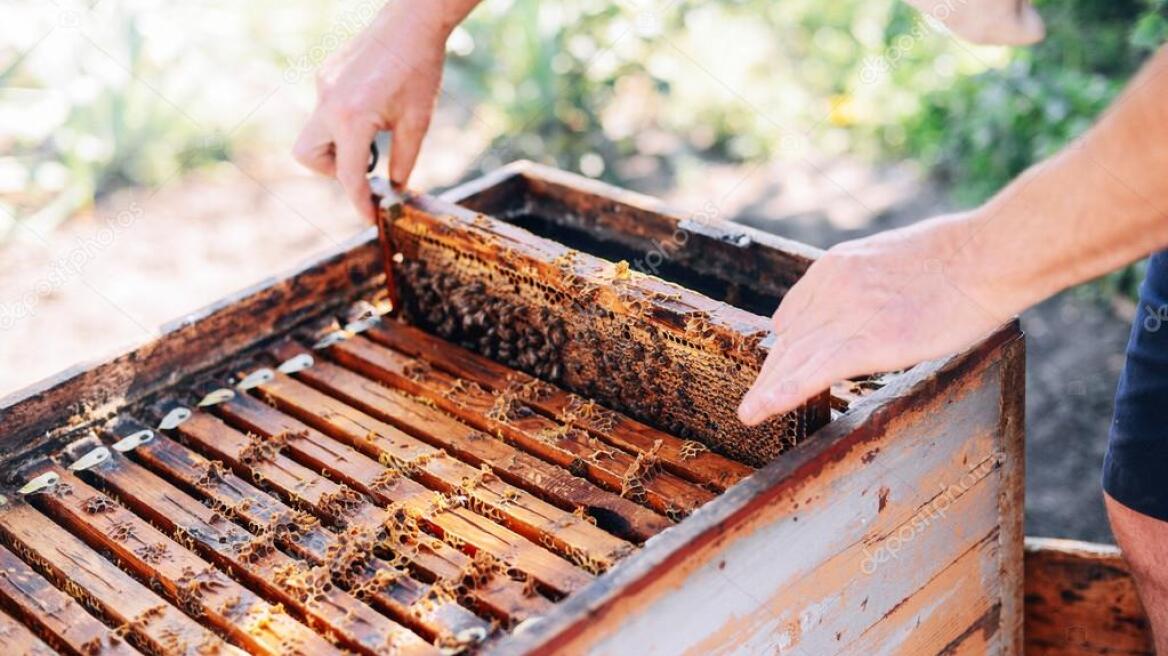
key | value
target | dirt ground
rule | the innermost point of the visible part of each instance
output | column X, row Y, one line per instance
column 109, row 279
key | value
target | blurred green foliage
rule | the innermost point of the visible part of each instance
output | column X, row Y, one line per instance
column 987, row 128
column 589, row 84
column 95, row 97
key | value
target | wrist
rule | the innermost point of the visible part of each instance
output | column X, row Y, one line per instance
column 432, row 21
column 997, row 268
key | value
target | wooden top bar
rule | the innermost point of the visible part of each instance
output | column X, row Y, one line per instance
column 304, row 587
column 686, row 458
column 57, row 617
column 503, row 597
column 145, row 617
column 538, row 520
column 393, row 590
column 558, row 486
column 186, row 579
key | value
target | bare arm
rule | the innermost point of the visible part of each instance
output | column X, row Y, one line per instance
column 385, row 79
column 903, row 296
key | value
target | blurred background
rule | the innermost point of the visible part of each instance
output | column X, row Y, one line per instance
column 145, row 167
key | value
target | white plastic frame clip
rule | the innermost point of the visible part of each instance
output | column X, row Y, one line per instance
column 93, row 458
column 41, row 483
column 133, row 440
column 174, row 418
column 296, row 363
column 257, row 378
column 215, row 397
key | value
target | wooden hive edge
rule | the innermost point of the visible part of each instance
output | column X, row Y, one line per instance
column 640, row 218
column 37, row 416
column 1081, row 599
column 862, row 423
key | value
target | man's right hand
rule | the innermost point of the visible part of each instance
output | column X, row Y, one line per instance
column 385, row 79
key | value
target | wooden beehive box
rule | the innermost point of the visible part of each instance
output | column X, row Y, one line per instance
column 891, row 523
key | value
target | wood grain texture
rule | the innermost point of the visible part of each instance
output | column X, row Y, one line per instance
column 1081, row 601
column 384, row 481
column 556, row 485
column 516, row 423
column 500, row 595
column 185, row 579
column 18, row 639
column 698, row 465
column 810, row 525
column 146, row 618
column 54, row 616
column 542, row 523
column 254, row 559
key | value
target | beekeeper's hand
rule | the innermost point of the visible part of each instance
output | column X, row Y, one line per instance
column 891, row 300
column 875, row 304
column 386, row 78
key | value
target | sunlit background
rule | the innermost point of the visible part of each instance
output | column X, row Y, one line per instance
column 145, row 168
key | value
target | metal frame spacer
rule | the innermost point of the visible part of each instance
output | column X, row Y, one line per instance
column 94, row 457
column 217, row 396
column 133, row 440
column 385, row 193
column 175, row 417
column 296, row 363
column 330, row 339
column 256, row 378
column 41, row 483
column 361, row 325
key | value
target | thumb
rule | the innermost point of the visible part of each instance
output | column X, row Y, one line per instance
column 314, row 147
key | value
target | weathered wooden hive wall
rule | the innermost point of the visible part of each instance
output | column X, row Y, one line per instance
column 288, row 473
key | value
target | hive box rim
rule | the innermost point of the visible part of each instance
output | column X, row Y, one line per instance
column 351, row 269
column 31, row 417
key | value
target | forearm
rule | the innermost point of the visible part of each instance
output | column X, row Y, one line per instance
column 1100, row 203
